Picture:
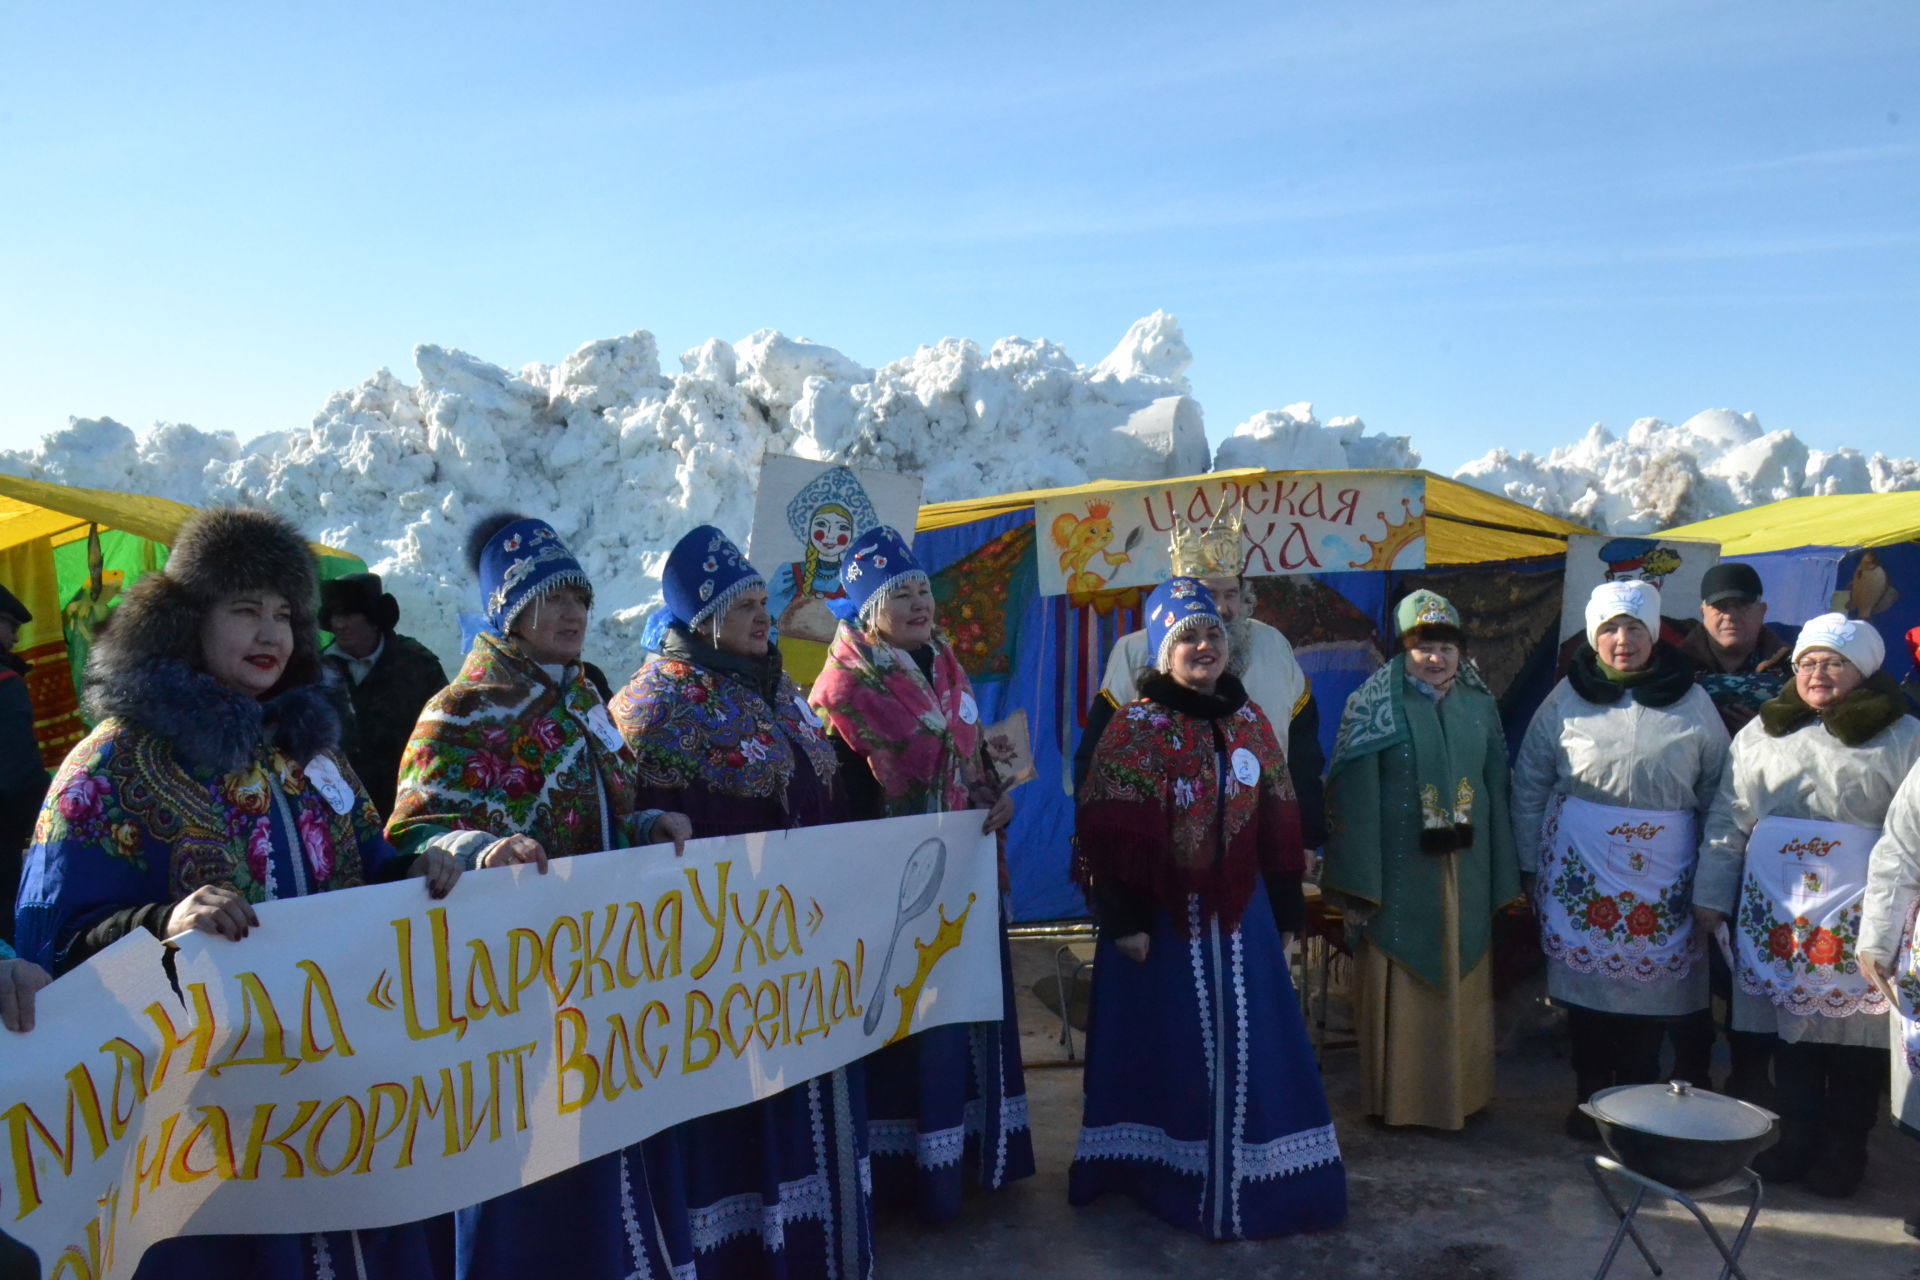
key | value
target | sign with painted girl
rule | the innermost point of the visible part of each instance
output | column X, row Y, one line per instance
column 806, row 516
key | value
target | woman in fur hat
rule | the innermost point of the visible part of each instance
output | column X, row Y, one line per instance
column 1785, row 867
column 1613, row 779
column 1203, row 1101
column 517, row 761
column 1420, row 858
column 212, row 783
column 723, row 733
column 948, row 1103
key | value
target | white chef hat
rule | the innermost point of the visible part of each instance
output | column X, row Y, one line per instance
column 1612, row 600
column 1852, row 639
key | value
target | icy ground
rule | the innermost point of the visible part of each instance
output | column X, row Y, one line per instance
column 624, row 457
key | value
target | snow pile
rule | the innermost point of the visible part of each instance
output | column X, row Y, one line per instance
column 1662, row 475
column 1292, row 439
column 625, row 458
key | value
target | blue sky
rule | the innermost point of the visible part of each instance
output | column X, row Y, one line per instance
column 1479, row 224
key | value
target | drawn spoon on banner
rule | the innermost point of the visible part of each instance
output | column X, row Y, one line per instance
column 919, row 886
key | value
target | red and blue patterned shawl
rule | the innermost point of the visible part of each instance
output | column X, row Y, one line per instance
column 1160, row 817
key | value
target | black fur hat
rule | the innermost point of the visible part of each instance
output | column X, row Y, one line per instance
column 217, row 553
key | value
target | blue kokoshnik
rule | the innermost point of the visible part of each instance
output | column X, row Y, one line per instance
column 1177, row 606
column 880, row 561
column 522, row 564
column 705, row 573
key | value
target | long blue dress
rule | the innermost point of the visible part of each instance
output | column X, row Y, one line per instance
column 1203, row 1101
column 777, row 1188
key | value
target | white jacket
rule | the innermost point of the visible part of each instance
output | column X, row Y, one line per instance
column 1893, row 882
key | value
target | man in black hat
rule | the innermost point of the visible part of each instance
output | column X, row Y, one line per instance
column 23, row 778
column 1741, row 661
column 389, row 677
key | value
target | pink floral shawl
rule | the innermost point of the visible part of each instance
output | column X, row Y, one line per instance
column 922, row 748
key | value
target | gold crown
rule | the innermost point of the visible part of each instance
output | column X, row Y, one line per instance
column 1212, row 552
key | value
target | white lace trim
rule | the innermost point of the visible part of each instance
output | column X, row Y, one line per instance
column 1295, row 1153
column 1144, row 1144
column 938, row 1147
column 322, row 1258
column 801, row 1200
column 630, row 1218
column 1238, row 1174
column 1254, row 1161
column 1200, row 982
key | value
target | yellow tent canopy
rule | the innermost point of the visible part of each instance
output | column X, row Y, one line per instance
column 62, row 513
column 39, row 518
column 1839, row 520
column 1465, row 525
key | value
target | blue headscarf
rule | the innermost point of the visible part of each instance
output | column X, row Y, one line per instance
column 704, row 574
column 1176, row 607
column 881, row 560
column 523, row 563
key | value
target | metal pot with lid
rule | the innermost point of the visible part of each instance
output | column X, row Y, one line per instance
column 1680, row 1135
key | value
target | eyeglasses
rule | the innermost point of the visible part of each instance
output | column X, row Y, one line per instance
column 1822, row 666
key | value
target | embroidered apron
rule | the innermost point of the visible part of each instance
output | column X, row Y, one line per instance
column 1615, row 894
column 1799, row 917
column 1906, row 982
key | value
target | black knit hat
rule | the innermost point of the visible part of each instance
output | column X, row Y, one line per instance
column 358, row 593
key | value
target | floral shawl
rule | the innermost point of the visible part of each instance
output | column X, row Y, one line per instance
column 687, row 723
column 1160, row 816
column 922, row 748
column 505, row 750
column 133, row 819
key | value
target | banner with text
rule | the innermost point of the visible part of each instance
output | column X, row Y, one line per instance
column 1292, row 522
column 375, row 1057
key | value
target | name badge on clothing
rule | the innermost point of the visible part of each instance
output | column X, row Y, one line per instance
column 602, row 727
column 1246, row 766
column 325, row 776
column 808, row 716
column 1615, row 891
column 1799, row 917
column 969, row 709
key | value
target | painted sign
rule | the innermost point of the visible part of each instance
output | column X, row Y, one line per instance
column 806, row 516
column 1291, row 522
column 374, row 1057
column 1673, row 566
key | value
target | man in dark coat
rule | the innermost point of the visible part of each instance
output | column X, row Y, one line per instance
column 389, row 677
column 23, row 778
column 1741, row 661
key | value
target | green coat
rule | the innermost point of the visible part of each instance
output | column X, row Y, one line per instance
column 1393, row 741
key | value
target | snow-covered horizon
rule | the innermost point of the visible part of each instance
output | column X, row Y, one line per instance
column 624, row 458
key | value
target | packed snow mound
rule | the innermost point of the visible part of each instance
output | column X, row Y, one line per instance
column 1292, row 439
column 624, row 458
column 1662, row 475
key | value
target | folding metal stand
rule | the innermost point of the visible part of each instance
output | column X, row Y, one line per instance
column 1745, row 1182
